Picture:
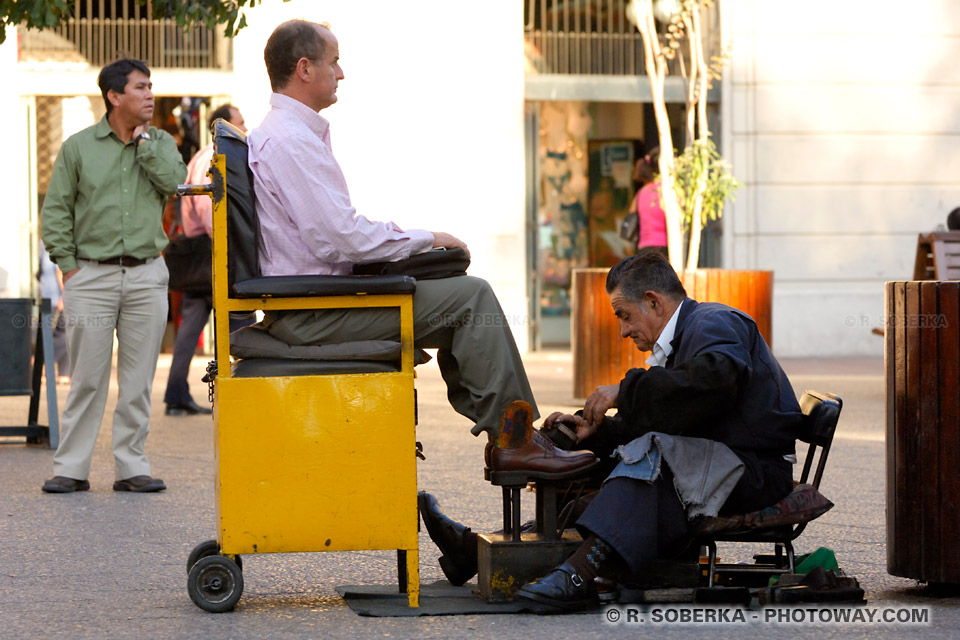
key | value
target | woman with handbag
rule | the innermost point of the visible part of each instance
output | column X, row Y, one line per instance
column 653, row 222
column 188, row 260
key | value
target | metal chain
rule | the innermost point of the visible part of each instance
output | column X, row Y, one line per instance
column 209, row 377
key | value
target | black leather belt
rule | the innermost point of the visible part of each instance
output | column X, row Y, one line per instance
column 126, row 261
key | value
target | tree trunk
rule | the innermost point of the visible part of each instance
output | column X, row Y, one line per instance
column 696, row 229
column 701, row 72
column 656, row 67
column 692, row 85
column 703, row 76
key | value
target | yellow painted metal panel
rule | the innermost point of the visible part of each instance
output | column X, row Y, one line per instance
column 218, row 257
column 413, row 579
column 312, row 463
column 316, row 463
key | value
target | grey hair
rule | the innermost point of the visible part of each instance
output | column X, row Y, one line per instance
column 649, row 270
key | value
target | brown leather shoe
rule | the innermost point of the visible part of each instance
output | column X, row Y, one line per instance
column 539, row 459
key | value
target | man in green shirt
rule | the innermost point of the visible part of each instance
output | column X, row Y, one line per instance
column 102, row 225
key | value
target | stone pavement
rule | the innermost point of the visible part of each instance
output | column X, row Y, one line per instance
column 107, row 565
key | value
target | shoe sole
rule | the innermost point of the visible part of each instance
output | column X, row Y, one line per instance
column 180, row 411
column 510, row 478
column 516, row 425
column 556, row 605
column 147, row 489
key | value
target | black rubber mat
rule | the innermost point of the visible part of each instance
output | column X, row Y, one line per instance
column 437, row 599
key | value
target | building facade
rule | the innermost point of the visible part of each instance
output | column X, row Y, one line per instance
column 840, row 118
column 451, row 117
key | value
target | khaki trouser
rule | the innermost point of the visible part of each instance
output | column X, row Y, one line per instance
column 99, row 300
column 461, row 317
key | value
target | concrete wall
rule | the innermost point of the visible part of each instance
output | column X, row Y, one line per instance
column 841, row 119
column 15, row 213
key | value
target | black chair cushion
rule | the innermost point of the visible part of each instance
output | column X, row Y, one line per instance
column 296, row 286
column 270, row 367
column 801, row 505
column 255, row 342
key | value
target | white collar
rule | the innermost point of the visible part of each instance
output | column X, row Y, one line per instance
column 316, row 122
column 662, row 348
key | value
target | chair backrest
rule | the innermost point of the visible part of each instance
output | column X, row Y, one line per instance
column 938, row 256
column 821, row 412
column 243, row 228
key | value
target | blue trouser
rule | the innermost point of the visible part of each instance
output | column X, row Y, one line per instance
column 644, row 521
column 195, row 309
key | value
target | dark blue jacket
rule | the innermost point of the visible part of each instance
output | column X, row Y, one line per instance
column 720, row 382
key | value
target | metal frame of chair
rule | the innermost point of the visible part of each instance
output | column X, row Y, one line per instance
column 821, row 414
column 309, row 456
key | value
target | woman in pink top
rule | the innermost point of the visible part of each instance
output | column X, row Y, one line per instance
column 653, row 223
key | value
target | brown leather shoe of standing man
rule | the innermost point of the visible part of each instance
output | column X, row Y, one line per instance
column 522, row 454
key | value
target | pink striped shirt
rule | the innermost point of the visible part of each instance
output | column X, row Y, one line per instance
column 307, row 223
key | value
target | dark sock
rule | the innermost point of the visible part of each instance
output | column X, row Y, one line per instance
column 470, row 546
column 594, row 558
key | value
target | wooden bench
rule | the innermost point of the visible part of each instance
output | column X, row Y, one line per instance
column 938, row 256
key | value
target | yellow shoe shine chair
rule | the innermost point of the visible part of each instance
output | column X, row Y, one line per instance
column 310, row 455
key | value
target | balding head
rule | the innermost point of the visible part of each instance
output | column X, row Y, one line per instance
column 289, row 42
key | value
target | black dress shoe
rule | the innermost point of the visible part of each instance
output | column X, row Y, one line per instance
column 562, row 588
column 456, row 542
column 62, row 484
column 140, row 484
column 187, row 409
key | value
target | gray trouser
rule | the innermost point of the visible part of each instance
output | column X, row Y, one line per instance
column 461, row 317
column 98, row 300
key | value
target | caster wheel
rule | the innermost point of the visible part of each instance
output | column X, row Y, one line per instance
column 204, row 549
column 215, row 584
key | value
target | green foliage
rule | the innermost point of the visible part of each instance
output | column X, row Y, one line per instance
column 42, row 14
column 699, row 159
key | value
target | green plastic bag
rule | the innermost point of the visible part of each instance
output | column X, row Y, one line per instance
column 804, row 564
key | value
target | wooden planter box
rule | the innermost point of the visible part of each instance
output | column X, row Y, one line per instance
column 601, row 356
column 922, row 361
